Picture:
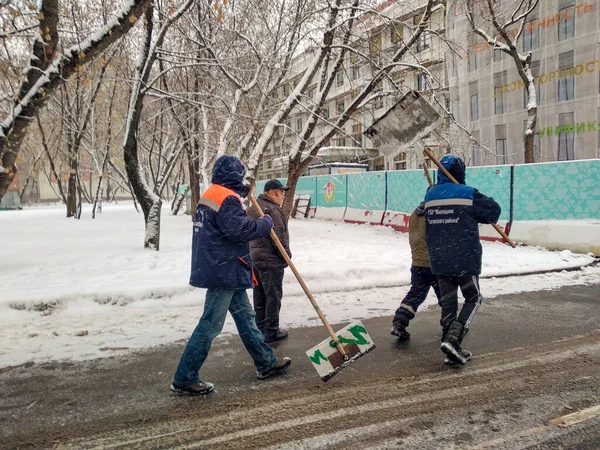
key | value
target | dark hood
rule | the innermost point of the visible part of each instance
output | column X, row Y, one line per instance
column 229, row 171
column 455, row 166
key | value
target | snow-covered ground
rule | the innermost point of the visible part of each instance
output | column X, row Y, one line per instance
column 85, row 289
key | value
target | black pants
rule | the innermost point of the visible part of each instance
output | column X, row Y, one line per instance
column 469, row 286
column 421, row 279
column 267, row 299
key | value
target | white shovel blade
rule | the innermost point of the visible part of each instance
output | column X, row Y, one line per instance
column 327, row 360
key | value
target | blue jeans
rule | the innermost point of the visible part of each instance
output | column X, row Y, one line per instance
column 216, row 305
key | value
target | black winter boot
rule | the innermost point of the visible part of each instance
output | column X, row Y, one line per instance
column 400, row 332
column 451, row 343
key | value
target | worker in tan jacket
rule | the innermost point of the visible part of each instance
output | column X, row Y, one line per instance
column 421, row 278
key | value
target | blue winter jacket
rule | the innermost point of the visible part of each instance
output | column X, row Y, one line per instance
column 222, row 231
column 453, row 213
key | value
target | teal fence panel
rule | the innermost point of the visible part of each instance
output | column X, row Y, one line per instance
column 260, row 186
column 493, row 181
column 557, row 191
column 406, row 189
column 331, row 191
column 366, row 191
column 307, row 186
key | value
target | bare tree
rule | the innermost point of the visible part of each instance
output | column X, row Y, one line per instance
column 497, row 28
column 48, row 69
column 337, row 40
column 102, row 175
column 150, row 202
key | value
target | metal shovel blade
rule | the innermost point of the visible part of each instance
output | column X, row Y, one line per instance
column 327, row 360
column 409, row 119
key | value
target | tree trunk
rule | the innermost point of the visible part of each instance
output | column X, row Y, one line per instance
column 294, row 173
column 194, row 169
column 531, row 125
column 180, row 198
column 72, row 186
column 149, row 202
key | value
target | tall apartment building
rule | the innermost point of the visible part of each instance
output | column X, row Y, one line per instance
column 380, row 39
column 487, row 95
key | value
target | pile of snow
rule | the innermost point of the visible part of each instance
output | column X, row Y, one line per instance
column 84, row 289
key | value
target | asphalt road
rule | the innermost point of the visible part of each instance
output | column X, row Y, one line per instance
column 537, row 358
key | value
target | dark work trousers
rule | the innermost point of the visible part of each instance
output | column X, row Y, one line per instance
column 421, row 279
column 469, row 286
column 267, row 299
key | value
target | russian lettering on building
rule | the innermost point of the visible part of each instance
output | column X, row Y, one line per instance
column 578, row 70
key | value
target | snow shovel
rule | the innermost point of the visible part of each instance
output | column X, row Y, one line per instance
column 431, row 156
column 339, row 350
column 410, row 119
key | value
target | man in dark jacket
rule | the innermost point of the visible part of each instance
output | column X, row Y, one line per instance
column 268, row 263
column 421, row 277
column 453, row 213
column 221, row 264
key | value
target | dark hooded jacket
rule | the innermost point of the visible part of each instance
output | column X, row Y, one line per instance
column 453, row 213
column 222, row 231
column 264, row 252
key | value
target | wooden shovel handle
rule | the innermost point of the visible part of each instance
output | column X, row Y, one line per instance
column 431, row 156
column 301, row 281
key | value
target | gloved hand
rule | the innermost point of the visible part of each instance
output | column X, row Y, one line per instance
column 268, row 219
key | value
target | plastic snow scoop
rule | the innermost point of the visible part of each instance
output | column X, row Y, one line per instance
column 340, row 349
column 431, row 156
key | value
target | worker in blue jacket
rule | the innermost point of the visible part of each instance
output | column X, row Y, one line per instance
column 221, row 263
column 453, row 213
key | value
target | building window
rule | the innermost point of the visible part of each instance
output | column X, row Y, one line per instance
column 286, row 90
column 325, row 113
column 357, row 134
column 299, row 124
column 355, row 72
column 535, row 71
column 501, row 150
column 421, row 82
column 566, row 78
column 566, row 26
column 376, row 42
column 396, row 32
column 531, row 35
column 531, row 31
column 422, row 40
column 498, row 54
column 339, row 106
column 340, row 77
column 500, row 98
column 566, row 137
column 474, row 104
column 472, row 61
column 377, row 101
column 477, row 156
column 400, row 161
column 341, row 142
